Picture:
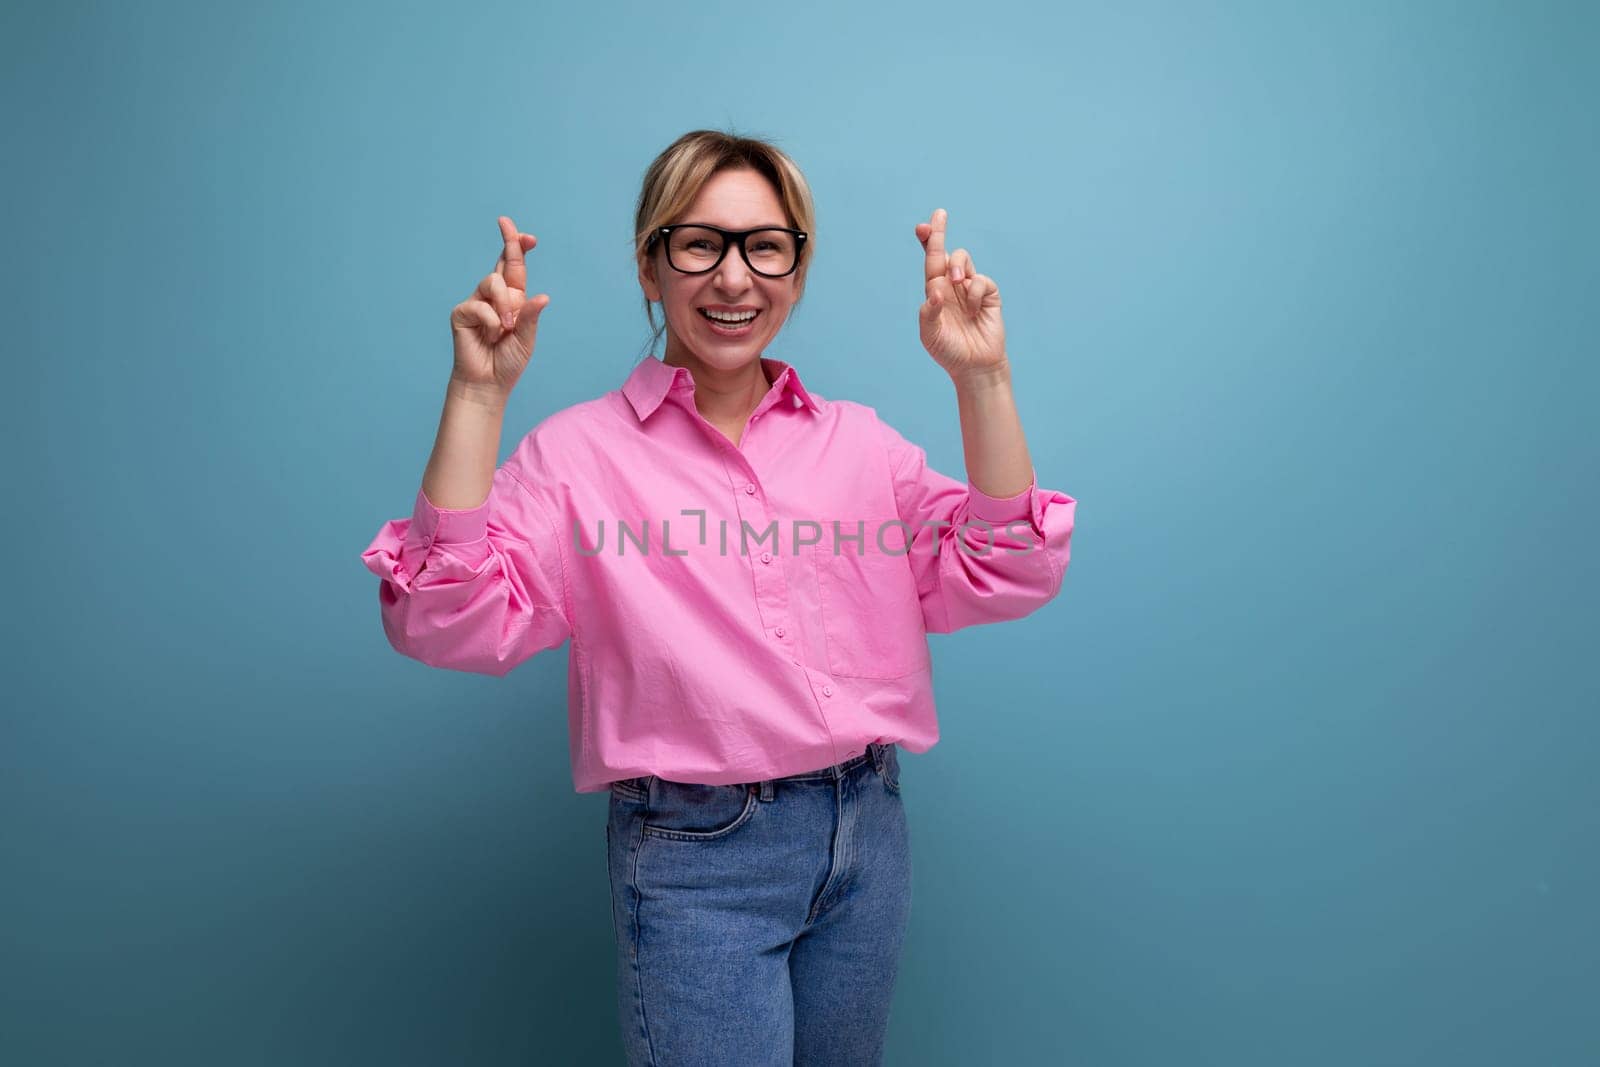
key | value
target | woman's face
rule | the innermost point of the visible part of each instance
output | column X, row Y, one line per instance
column 733, row 200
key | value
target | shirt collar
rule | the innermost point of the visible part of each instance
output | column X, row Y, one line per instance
column 650, row 382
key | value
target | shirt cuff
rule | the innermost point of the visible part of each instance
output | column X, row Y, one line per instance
column 1001, row 510
column 432, row 525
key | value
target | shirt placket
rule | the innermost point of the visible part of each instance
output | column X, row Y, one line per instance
column 751, row 505
column 772, row 588
column 766, row 569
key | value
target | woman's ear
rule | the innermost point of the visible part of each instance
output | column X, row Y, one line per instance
column 647, row 279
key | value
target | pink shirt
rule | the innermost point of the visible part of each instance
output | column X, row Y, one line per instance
column 728, row 631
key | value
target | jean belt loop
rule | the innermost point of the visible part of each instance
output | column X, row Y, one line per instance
column 766, row 789
column 877, row 756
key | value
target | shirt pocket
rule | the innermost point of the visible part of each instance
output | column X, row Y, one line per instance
column 871, row 615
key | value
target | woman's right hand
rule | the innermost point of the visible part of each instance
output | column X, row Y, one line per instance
column 494, row 328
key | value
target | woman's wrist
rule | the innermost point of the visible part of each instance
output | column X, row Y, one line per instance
column 492, row 397
column 983, row 379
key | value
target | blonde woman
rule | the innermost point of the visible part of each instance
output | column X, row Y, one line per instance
column 747, row 573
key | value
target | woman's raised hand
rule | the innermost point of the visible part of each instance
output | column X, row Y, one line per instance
column 960, row 318
column 494, row 328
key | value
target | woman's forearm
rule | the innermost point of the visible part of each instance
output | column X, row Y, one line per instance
column 991, row 433
column 461, row 469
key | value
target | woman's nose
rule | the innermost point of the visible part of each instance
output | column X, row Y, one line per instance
column 732, row 273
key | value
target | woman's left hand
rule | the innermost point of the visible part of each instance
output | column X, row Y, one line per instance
column 960, row 319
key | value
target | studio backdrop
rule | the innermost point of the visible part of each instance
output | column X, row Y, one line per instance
column 1298, row 767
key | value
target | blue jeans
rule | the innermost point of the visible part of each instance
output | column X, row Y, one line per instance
column 762, row 923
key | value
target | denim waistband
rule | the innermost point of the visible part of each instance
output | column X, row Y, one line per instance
column 837, row 770
column 876, row 754
column 879, row 755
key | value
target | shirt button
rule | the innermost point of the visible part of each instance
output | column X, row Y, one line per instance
column 778, row 631
column 750, row 487
column 827, row 690
column 766, row 557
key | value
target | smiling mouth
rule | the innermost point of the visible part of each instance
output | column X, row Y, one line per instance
column 731, row 323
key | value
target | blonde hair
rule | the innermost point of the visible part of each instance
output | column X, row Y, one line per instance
column 677, row 175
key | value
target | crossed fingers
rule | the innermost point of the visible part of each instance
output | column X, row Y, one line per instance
column 505, row 287
column 969, row 287
column 511, row 266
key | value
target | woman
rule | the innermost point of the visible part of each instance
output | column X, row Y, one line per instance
column 740, row 681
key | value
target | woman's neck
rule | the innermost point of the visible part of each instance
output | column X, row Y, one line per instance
column 724, row 397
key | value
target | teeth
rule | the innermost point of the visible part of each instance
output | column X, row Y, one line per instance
column 730, row 316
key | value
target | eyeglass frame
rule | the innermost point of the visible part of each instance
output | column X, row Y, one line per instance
column 729, row 239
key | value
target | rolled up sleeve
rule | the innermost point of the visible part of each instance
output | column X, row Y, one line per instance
column 978, row 558
column 472, row 589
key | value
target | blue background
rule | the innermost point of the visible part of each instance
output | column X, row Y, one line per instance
column 1298, row 769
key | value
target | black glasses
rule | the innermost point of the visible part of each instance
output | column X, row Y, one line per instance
column 771, row 251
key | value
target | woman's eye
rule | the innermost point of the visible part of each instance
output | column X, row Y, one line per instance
column 700, row 246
